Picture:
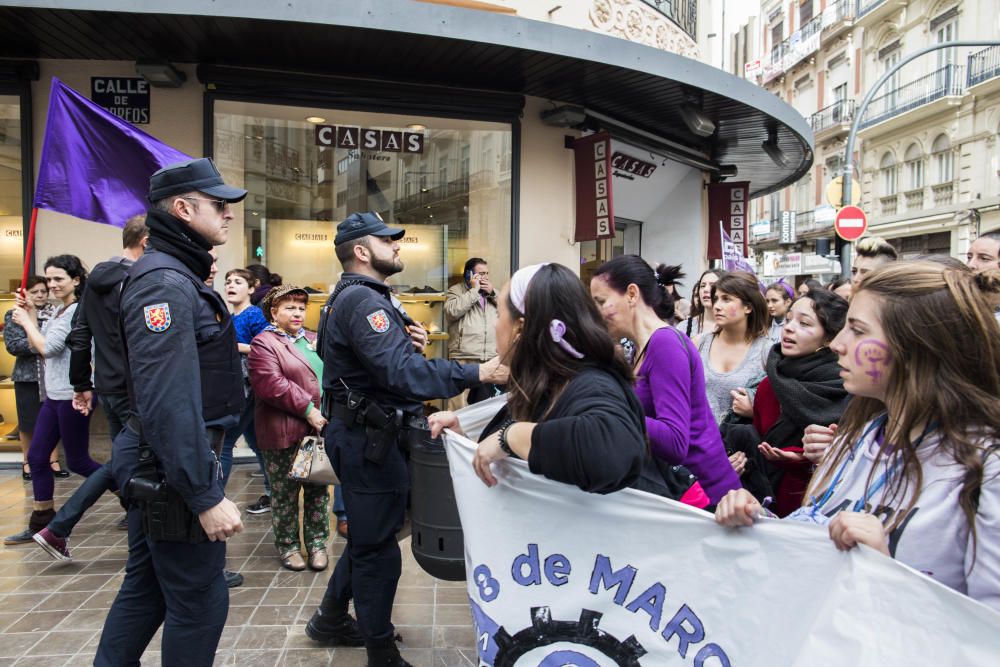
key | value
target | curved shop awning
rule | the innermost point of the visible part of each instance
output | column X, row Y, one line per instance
column 632, row 89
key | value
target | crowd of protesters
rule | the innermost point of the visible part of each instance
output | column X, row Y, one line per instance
column 851, row 405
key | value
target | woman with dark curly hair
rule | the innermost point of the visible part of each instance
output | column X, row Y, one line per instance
column 57, row 420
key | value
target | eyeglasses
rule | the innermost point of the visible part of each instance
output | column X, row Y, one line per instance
column 219, row 204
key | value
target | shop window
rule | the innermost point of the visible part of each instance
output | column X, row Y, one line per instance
column 11, row 194
column 420, row 179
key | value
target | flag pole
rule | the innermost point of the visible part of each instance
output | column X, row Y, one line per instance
column 28, row 249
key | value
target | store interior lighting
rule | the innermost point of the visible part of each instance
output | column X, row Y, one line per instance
column 696, row 120
column 315, row 120
column 160, row 74
column 564, row 116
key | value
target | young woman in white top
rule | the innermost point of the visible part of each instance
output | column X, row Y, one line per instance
column 914, row 471
column 700, row 317
column 779, row 297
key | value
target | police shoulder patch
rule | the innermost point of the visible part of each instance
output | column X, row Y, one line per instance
column 157, row 317
column 379, row 321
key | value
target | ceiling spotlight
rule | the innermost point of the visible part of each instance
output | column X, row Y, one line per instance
column 564, row 116
column 696, row 120
column 727, row 170
column 416, row 127
column 315, row 120
column 770, row 146
column 160, row 74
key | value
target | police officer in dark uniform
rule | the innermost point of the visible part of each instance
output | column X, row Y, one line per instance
column 374, row 383
column 185, row 388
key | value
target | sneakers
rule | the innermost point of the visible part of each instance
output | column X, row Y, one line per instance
column 334, row 630
column 122, row 523
column 57, row 547
column 262, row 505
column 342, row 528
column 25, row 536
column 233, row 579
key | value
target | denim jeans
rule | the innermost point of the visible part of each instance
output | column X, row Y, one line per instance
column 245, row 427
column 82, row 500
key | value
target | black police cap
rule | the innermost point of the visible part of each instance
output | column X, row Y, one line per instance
column 199, row 175
column 368, row 223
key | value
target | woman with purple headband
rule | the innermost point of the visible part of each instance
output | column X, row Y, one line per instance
column 570, row 413
column 779, row 297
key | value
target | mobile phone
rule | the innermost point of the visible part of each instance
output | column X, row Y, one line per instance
column 468, row 277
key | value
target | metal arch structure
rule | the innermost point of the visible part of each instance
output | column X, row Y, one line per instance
column 859, row 116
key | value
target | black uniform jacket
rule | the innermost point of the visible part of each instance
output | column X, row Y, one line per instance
column 367, row 349
column 177, row 333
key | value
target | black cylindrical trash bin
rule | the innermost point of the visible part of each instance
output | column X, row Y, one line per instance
column 436, row 531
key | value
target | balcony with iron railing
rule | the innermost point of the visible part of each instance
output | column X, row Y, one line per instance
column 837, row 17
column 837, row 116
column 947, row 81
column 794, row 49
column 867, row 6
column 984, row 65
column 684, row 13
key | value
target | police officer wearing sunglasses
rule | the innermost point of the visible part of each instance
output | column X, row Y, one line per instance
column 185, row 388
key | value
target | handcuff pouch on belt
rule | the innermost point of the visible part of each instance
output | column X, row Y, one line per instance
column 165, row 515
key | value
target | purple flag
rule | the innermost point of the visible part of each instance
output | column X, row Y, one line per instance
column 94, row 165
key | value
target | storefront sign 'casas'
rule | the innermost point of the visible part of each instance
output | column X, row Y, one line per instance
column 366, row 139
column 727, row 203
column 595, row 218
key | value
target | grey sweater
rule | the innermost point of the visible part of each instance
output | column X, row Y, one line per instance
column 57, row 353
column 748, row 374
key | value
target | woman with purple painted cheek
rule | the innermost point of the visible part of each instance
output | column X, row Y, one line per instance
column 914, row 471
column 865, row 359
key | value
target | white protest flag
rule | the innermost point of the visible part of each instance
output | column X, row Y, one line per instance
column 560, row 577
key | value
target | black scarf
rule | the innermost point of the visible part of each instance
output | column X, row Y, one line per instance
column 810, row 391
column 174, row 237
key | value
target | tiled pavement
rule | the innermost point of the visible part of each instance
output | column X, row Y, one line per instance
column 51, row 614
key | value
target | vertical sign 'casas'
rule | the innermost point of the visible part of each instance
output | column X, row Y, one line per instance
column 727, row 203
column 595, row 218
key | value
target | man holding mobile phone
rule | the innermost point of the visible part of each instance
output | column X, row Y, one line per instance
column 471, row 312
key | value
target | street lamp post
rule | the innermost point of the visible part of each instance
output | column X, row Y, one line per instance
column 842, row 246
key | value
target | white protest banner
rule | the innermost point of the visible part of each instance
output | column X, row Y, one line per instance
column 560, row 577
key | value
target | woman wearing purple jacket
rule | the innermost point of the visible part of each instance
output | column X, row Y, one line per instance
column 670, row 382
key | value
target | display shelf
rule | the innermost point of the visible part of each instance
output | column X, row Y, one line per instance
column 422, row 298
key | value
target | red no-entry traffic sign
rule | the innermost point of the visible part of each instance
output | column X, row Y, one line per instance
column 851, row 223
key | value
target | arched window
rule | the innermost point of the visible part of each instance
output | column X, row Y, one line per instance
column 887, row 170
column 943, row 159
column 914, row 161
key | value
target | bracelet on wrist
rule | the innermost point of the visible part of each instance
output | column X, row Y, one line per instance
column 504, row 445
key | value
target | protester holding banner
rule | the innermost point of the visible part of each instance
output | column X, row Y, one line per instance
column 802, row 387
column 669, row 379
column 57, row 420
column 701, row 305
column 779, row 298
column 915, row 470
column 571, row 413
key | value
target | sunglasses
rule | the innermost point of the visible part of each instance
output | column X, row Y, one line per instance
column 218, row 204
